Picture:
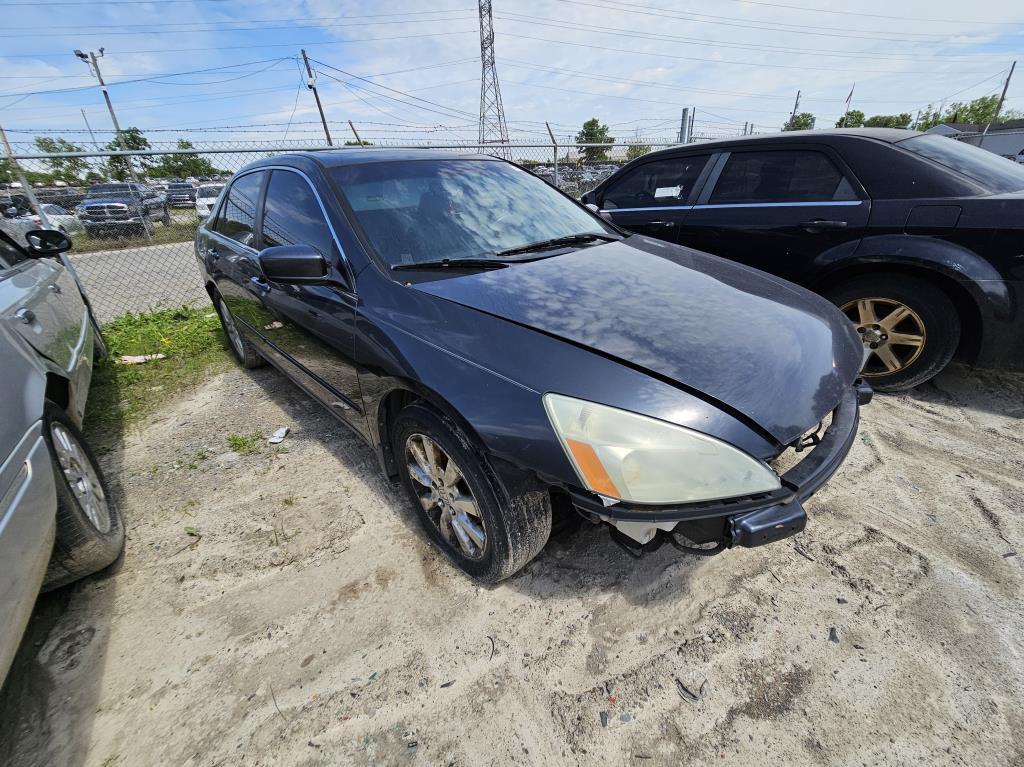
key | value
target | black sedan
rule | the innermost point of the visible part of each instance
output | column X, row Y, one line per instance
column 916, row 237
column 511, row 357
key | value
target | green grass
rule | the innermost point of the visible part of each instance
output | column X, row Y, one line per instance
column 162, row 235
column 122, row 394
column 246, row 444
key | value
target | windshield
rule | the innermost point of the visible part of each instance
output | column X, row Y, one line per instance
column 429, row 210
column 992, row 171
column 209, row 192
column 103, row 190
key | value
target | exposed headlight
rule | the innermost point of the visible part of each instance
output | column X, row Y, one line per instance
column 635, row 458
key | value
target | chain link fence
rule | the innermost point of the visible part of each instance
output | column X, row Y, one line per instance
column 133, row 245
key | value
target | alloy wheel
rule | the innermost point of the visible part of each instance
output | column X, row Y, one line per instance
column 893, row 334
column 229, row 326
column 81, row 477
column 445, row 496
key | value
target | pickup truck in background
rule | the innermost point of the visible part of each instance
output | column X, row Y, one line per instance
column 120, row 210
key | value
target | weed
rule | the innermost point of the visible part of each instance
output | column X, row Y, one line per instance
column 121, row 394
column 289, row 501
column 246, row 444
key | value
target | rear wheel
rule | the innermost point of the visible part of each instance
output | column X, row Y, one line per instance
column 459, row 504
column 90, row 534
column 910, row 328
column 244, row 351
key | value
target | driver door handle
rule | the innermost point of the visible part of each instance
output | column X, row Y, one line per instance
column 261, row 285
column 820, row 225
column 213, row 253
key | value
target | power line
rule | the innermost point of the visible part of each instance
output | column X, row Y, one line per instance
column 758, row 65
column 618, row 32
column 149, row 25
column 704, row 18
column 805, row 9
column 251, row 46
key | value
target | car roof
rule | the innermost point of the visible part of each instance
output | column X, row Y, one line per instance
column 355, row 156
column 888, row 135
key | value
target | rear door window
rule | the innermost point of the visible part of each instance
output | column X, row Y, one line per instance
column 656, row 184
column 237, row 218
column 780, row 176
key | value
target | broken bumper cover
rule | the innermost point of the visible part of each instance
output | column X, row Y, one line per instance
column 751, row 520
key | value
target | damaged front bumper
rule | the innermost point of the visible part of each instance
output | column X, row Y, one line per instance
column 746, row 521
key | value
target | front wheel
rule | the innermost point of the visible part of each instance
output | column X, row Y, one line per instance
column 460, row 505
column 90, row 533
column 910, row 328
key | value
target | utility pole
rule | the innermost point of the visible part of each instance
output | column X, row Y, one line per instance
column 92, row 59
column 684, row 126
column 693, row 114
column 311, row 84
column 355, row 133
column 796, row 105
column 999, row 106
column 91, row 136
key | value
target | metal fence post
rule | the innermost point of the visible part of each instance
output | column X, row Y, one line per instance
column 554, row 143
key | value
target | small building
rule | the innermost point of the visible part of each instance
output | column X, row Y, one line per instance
column 1006, row 138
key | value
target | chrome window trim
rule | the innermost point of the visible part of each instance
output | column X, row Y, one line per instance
column 830, row 203
column 316, row 194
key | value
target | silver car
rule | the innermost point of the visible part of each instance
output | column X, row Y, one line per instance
column 57, row 522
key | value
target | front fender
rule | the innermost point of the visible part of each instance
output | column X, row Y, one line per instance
column 974, row 274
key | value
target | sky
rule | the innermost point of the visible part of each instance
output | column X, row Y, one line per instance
column 229, row 70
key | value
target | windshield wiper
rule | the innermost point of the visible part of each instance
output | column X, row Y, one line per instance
column 572, row 239
column 451, row 263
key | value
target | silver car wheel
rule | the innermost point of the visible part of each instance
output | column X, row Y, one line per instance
column 445, row 496
column 229, row 326
column 81, row 477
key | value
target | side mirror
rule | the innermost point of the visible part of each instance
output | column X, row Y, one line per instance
column 593, row 208
column 293, row 265
column 47, row 242
column 11, row 212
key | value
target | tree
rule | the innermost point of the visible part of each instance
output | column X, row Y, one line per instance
column 852, row 119
column 121, row 168
column 637, row 150
column 594, row 133
column 802, row 121
column 65, row 168
column 183, row 165
column 901, row 120
column 980, row 111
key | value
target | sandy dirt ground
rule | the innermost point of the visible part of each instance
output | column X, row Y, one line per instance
column 310, row 624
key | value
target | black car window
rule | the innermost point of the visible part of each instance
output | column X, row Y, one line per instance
column 237, row 218
column 292, row 215
column 995, row 172
column 656, row 184
column 10, row 255
column 780, row 176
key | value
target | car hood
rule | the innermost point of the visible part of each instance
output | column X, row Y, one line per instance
column 107, row 201
column 762, row 348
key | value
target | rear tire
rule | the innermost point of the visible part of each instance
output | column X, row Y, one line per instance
column 90, row 533
column 932, row 317
column 242, row 350
column 515, row 528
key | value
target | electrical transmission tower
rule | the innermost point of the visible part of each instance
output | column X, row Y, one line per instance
column 493, row 129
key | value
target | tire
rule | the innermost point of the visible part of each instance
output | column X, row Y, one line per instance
column 928, row 315
column 244, row 352
column 515, row 528
column 88, row 538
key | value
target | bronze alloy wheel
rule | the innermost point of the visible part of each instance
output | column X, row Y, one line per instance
column 445, row 496
column 893, row 334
